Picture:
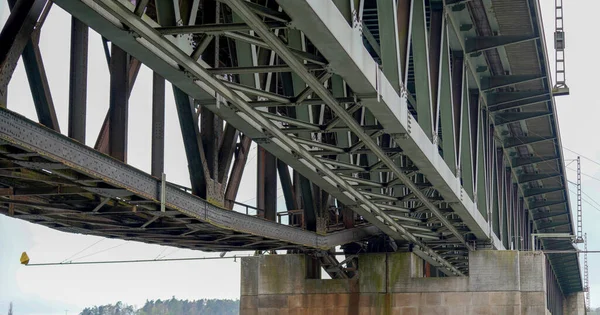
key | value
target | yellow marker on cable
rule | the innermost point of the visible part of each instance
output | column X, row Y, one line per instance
column 24, row 259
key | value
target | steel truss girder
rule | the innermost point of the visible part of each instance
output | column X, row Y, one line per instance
column 342, row 46
column 30, row 136
column 242, row 117
column 497, row 100
column 389, row 224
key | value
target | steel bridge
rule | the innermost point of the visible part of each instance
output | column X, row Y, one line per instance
column 410, row 125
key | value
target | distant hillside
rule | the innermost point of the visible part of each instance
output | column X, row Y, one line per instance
column 169, row 307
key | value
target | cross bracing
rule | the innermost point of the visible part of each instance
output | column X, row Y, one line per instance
column 431, row 120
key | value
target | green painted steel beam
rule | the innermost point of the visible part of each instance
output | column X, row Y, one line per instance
column 526, row 178
column 549, row 215
column 465, row 155
column 497, row 98
column 420, row 53
column 511, row 117
column 481, row 43
column 521, row 103
column 542, row 204
column 554, row 225
column 532, row 192
column 512, row 142
column 446, row 107
column 500, row 81
column 390, row 58
column 524, row 161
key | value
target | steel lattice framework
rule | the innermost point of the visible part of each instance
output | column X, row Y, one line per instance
column 431, row 122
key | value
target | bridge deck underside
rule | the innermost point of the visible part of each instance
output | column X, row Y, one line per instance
column 443, row 153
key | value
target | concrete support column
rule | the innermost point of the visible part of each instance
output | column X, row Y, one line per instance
column 574, row 304
column 500, row 282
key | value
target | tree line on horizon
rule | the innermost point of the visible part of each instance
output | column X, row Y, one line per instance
column 172, row 306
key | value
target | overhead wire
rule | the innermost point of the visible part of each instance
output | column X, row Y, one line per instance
column 583, row 156
column 101, row 251
column 83, row 250
column 132, row 261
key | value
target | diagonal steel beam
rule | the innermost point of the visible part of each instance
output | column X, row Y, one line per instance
column 38, row 83
column 14, row 36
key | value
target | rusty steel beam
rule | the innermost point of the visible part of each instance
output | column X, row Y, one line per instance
column 158, row 125
column 119, row 107
column 38, row 84
column 14, row 37
column 266, row 190
column 233, row 185
column 211, row 130
column 226, row 152
column 102, row 141
column 78, row 80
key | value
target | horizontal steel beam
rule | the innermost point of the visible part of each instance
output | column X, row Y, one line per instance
column 497, row 98
column 482, row 43
column 512, row 142
column 524, row 161
column 500, row 81
column 211, row 28
column 511, row 117
column 533, row 192
column 526, row 178
column 547, row 215
column 542, row 204
column 260, row 69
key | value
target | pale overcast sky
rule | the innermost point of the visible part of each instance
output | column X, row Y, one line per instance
column 52, row 290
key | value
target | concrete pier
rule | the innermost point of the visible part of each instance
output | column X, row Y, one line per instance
column 500, row 282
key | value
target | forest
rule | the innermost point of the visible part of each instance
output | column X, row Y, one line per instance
column 172, row 306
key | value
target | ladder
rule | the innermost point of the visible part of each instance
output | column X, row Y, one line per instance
column 560, row 88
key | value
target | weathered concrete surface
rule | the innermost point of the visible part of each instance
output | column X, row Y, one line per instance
column 575, row 303
column 501, row 282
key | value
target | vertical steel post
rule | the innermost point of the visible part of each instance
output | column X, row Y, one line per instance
column 78, row 80
column 158, row 125
column 266, row 199
column 119, row 107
